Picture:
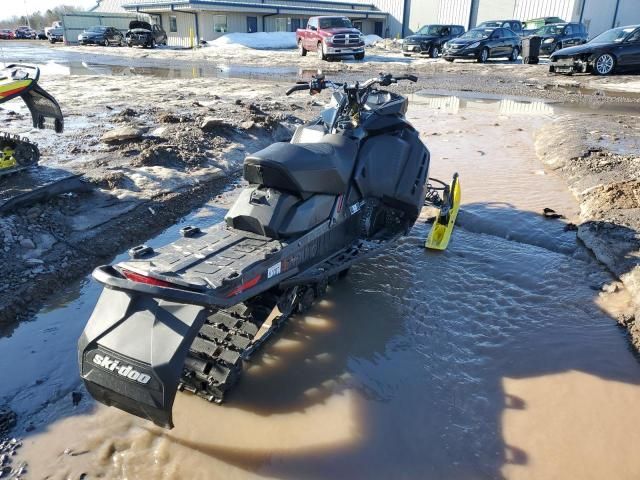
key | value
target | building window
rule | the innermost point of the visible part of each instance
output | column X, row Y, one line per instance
column 173, row 23
column 220, row 23
column 283, row 24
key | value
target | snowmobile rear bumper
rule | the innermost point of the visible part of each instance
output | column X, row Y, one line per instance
column 132, row 351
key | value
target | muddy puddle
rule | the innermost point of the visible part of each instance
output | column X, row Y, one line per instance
column 53, row 62
column 497, row 358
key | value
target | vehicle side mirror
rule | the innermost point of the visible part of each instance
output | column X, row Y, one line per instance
column 311, row 27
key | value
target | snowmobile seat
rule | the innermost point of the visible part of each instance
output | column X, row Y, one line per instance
column 304, row 168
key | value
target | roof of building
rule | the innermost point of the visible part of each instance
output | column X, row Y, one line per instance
column 311, row 7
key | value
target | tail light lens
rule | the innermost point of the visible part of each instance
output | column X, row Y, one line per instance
column 136, row 277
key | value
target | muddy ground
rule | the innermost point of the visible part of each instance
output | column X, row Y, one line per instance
column 498, row 76
column 600, row 158
column 146, row 159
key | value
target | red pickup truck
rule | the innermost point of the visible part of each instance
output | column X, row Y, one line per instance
column 330, row 37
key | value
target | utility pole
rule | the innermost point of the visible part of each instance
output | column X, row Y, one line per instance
column 27, row 14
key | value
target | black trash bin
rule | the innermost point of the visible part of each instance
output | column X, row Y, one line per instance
column 531, row 49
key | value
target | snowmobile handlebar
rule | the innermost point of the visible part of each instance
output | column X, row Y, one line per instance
column 319, row 83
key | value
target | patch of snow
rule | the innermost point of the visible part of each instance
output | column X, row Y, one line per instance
column 372, row 40
column 258, row 40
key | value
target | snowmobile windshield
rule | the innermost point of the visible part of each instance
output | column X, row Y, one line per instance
column 432, row 30
column 477, row 34
column 615, row 35
column 339, row 22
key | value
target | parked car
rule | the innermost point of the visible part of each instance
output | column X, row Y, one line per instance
column 482, row 44
column 534, row 24
column 559, row 35
column 6, row 34
column 55, row 35
column 330, row 37
column 25, row 32
column 101, row 35
column 143, row 34
column 430, row 39
column 514, row 25
column 53, row 26
column 614, row 50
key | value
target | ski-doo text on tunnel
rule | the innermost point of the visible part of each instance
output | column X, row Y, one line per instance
column 188, row 314
column 17, row 153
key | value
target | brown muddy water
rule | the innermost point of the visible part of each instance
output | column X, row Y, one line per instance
column 498, row 358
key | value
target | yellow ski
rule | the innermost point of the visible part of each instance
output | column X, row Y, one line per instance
column 442, row 227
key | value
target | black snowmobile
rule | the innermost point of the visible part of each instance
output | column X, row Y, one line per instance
column 186, row 316
column 18, row 153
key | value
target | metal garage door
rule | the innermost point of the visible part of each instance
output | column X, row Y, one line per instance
column 75, row 23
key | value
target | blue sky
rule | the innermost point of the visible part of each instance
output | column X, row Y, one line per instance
column 19, row 7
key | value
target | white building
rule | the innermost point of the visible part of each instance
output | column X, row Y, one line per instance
column 186, row 20
column 597, row 15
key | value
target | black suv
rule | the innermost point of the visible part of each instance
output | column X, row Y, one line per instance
column 560, row 35
column 514, row 25
column 430, row 39
column 143, row 34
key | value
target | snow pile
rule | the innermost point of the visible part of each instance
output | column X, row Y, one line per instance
column 258, row 40
column 372, row 40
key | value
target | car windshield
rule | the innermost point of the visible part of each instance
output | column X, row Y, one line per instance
column 615, row 35
column 490, row 25
column 550, row 30
column 431, row 30
column 96, row 29
column 338, row 22
column 478, row 33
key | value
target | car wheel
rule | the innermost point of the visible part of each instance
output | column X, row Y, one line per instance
column 515, row 53
column 105, row 43
column 434, row 52
column 604, row 64
column 407, row 54
column 448, row 60
column 153, row 43
column 359, row 56
column 301, row 50
column 484, row 55
column 320, row 51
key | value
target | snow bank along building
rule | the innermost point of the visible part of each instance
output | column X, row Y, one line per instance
column 209, row 19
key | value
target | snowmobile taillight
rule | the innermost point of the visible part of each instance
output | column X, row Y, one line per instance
column 245, row 286
column 136, row 277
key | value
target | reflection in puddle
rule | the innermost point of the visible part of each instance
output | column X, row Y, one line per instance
column 453, row 104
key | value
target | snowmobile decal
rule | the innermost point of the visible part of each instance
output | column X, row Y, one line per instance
column 14, row 88
column 274, row 270
column 127, row 371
